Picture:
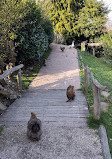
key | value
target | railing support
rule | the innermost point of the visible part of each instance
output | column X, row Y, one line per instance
column 12, row 70
column 19, row 83
column 97, row 102
column 97, row 87
column 86, row 79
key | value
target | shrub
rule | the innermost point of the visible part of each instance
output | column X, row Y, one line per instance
column 106, row 39
column 32, row 40
column 25, row 33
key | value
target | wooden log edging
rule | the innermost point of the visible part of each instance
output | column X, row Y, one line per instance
column 104, row 142
column 97, row 87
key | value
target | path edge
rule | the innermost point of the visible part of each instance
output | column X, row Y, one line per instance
column 79, row 68
column 104, row 142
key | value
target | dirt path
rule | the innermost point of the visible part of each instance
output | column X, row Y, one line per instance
column 62, row 69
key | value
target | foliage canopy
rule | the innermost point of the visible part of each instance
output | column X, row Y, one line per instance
column 73, row 19
column 25, row 33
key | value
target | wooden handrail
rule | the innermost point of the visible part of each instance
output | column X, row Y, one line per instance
column 8, row 72
column 12, row 70
column 97, row 87
column 101, row 87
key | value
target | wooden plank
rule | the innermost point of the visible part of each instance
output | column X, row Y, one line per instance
column 6, row 73
column 53, row 124
column 47, row 119
column 94, row 44
column 47, row 110
column 49, row 116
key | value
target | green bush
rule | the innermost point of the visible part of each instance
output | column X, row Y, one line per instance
column 35, row 35
column 48, row 28
column 106, row 39
column 25, row 33
column 32, row 46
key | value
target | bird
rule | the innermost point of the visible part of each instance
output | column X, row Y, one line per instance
column 71, row 46
column 62, row 48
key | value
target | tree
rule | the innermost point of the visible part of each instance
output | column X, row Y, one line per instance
column 24, row 32
column 11, row 14
column 63, row 15
column 34, row 36
column 91, row 19
column 106, row 40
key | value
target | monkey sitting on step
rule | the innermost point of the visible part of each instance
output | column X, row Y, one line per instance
column 34, row 131
column 70, row 93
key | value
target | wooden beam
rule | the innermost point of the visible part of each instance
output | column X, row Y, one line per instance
column 6, row 73
column 86, row 78
column 94, row 44
column 101, row 87
column 19, row 83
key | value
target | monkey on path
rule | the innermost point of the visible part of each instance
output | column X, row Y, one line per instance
column 70, row 93
column 62, row 48
column 34, row 131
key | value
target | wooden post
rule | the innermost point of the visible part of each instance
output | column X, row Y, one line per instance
column 19, row 83
column 97, row 102
column 9, row 66
column 93, row 51
column 86, row 79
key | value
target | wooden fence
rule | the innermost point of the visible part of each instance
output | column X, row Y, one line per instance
column 12, row 70
column 97, row 87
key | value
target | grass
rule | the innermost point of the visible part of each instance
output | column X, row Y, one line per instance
column 103, row 73
column 31, row 72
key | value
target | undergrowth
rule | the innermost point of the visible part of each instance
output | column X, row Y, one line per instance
column 31, row 72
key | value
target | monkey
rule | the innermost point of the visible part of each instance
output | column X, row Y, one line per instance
column 62, row 48
column 70, row 93
column 34, row 130
column 9, row 66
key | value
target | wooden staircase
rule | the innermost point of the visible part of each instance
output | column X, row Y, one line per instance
column 50, row 107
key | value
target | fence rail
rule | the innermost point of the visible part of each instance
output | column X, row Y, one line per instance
column 96, row 87
column 12, row 70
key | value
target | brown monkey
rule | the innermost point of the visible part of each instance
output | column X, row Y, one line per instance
column 34, row 131
column 70, row 93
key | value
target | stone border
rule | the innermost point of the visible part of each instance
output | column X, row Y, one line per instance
column 104, row 142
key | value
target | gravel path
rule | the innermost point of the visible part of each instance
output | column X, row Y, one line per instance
column 56, row 143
